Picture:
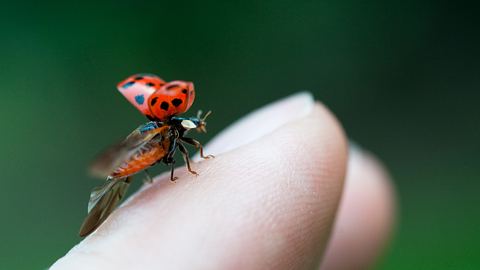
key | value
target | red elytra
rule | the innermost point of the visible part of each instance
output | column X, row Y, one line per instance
column 156, row 99
column 171, row 99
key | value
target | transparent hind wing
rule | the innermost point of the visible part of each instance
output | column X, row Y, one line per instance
column 113, row 157
column 103, row 201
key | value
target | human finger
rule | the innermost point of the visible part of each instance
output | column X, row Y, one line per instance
column 266, row 204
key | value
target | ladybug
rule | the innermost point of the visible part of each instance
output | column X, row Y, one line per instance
column 156, row 141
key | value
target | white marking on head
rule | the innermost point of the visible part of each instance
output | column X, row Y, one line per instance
column 188, row 124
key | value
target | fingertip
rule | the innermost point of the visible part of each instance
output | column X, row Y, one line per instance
column 289, row 182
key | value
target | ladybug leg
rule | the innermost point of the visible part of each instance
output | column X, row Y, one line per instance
column 171, row 149
column 172, row 169
column 197, row 145
column 184, row 151
column 169, row 160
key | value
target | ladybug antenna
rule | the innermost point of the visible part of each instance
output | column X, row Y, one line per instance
column 199, row 115
column 201, row 127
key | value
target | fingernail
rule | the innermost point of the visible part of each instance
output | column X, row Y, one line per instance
column 262, row 122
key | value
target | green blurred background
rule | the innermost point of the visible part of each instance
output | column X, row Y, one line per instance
column 403, row 77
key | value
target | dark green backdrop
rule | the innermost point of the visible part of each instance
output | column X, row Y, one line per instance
column 402, row 77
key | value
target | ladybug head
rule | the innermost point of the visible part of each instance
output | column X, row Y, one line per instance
column 199, row 123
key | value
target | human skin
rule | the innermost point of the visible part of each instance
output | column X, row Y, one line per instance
column 277, row 196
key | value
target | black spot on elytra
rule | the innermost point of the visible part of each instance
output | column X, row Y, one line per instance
column 164, row 106
column 153, row 101
column 184, row 91
column 176, row 102
column 150, row 84
column 138, row 78
column 170, row 87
